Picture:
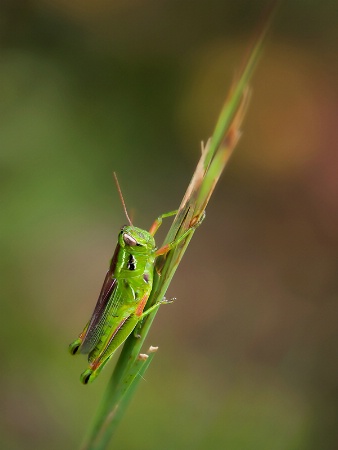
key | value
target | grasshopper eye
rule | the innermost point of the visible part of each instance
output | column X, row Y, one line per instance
column 129, row 240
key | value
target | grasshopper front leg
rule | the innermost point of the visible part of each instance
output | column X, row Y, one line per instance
column 166, row 248
column 158, row 222
column 164, row 301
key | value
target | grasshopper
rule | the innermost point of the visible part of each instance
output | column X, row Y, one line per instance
column 124, row 294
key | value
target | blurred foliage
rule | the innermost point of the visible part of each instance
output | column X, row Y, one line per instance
column 247, row 354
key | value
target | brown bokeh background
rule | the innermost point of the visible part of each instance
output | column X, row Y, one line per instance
column 248, row 352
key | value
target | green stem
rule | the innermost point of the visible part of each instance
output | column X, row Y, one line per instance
column 130, row 367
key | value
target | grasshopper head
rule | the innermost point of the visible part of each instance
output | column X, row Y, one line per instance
column 136, row 240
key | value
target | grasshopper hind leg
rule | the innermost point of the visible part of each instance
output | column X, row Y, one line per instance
column 85, row 376
column 89, row 375
column 74, row 346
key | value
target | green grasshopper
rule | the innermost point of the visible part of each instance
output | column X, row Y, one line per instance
column 124, row 294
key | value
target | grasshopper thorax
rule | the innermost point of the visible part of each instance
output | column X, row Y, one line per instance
column 136, row 240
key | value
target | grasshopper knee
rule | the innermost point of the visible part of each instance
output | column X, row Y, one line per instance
column 74, row 346
column 86, row 376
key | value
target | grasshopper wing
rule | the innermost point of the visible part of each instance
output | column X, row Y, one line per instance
column 100, row 314
column 106, row 301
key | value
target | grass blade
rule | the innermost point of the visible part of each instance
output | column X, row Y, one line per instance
column 130, row 367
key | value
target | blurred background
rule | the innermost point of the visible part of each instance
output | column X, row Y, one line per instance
column 248, row 353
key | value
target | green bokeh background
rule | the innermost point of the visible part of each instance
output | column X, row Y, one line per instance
column 248, row 353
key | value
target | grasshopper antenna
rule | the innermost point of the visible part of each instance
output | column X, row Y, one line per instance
column 122, row 199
